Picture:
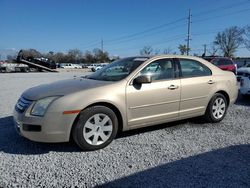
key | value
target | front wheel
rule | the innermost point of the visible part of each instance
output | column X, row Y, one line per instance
column 216, row 109
column 97, row 126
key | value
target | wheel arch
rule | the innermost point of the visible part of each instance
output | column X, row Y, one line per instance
column 106, row 104
column 226, row 95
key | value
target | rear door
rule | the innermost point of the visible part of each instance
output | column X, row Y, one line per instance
column 196, row 83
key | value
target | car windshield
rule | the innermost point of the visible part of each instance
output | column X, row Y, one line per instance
column 118, row 70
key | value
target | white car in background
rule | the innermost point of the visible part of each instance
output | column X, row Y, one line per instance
column 71, row 66
column 90, row 66
column 97, row 67
column 243, row 76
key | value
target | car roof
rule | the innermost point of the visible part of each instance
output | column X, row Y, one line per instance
column 216, row 57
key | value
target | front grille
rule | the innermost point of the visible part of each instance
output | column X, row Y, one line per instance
column 32, row 128
column 22, row 104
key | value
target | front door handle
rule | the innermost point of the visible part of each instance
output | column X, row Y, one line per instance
column 210, row 82
column 172, row 87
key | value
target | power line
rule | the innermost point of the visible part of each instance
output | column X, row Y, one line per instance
column 91, row 45
column 145, row 35
column 181, row 19
column 215, row 17
column 176, row 37
column 147, row 30
column 134, row 36
column 222, row 8
column 157, row 29
column 189, row 25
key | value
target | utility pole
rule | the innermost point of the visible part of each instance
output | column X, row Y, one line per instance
column 205, row 49
column 189, row 34
column 102, row 45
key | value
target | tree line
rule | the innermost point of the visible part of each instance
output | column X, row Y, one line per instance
column 72, row 56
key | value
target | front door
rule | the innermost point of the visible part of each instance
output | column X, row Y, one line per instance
column 154, row 102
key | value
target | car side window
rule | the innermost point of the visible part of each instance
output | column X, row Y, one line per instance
column 160, row 69
column 192, row 68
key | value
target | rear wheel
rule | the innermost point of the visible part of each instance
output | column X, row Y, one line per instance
column 216, row 109
column 96, row 128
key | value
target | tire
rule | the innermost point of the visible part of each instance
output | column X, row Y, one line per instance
column 216, row 109
column 27, row 70
column 88, row 132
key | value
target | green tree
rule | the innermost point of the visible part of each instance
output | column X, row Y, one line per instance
column 229, row 40
column 183, row 49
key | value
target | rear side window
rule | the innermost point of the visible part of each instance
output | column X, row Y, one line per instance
column 192, row 68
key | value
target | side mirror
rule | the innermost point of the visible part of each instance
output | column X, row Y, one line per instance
column 143, row 79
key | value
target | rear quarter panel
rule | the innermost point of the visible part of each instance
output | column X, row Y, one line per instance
column 226, row 81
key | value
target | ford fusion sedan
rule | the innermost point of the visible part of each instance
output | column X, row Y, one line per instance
column 130, row 93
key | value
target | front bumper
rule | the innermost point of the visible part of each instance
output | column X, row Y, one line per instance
column 54, row 126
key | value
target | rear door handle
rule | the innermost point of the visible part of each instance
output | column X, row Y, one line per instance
column 172, row 87
column 210, row 82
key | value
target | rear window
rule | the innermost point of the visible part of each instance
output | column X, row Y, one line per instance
column 191, row 68
column 219, row 62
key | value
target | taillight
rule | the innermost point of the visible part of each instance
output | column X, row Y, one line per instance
column 235, row 68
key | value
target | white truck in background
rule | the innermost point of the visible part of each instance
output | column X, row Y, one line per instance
column 71, row 66
column 243, row 76
column 13, row 67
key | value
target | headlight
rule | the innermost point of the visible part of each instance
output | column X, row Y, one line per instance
column 41, row 106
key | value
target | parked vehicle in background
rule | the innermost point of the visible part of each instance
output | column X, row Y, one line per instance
column 90, row 66
column 71, row 66
column 126, row 94
column 242, row 62
column 97, row 67
column 243, row 75
column 223, row 63
column 38, row 63
column 13, row 67
column 84, row 65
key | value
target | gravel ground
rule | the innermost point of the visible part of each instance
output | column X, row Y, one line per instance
column 182, row 154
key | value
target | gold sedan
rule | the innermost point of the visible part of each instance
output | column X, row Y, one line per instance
column 127, row 94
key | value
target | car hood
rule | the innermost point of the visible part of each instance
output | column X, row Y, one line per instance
column 61, row 88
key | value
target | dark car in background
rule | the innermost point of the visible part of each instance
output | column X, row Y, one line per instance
column 223, row 63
